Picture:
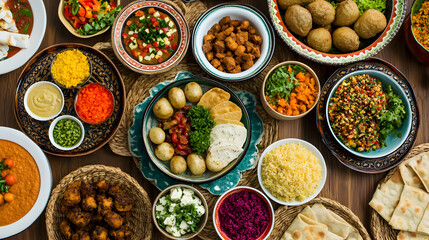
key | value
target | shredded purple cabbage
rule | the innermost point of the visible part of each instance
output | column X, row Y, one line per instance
column 244, row 216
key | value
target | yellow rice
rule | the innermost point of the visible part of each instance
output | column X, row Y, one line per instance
column 291, row 172
column 70, row 68
column 421, row 25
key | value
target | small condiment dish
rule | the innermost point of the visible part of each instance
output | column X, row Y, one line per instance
column 276, row 114
column 310, row 147
column 33, row 115
column 203, row 217
column 51, row 133
column 221, row 199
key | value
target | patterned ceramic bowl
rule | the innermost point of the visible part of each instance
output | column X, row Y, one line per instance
column 416, row 48
column 395, row 14
column 51, row 132
column 132, row 62
column 236, row 12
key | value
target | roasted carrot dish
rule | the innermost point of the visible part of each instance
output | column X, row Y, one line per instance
column 291, row 90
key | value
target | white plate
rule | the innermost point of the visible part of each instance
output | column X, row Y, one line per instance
column 36, row 37
column 21, row 139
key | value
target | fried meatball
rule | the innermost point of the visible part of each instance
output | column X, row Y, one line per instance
column 207, row 47
column 104, row 205
column 370, row 23
column 219, row 46
column 345, row 39
column 89, row 204
column 123, row 202
column 347, row 13
column 242, row 37
column 99, row 233
column 285, row 4
column 103, row 186
column 298, row 20
column 72, row 194
column 88, row 190
column 78, row 217
column 66, row 229
column 231, row 44
column 113, row 219
column 320, row 39
column 229, row 64
column 121, row 233
column 240, row 50
column 322, row 12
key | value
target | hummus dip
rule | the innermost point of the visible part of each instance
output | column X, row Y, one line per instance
column 45, row 100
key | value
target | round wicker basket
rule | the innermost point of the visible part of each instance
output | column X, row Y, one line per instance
column 140, row 221
column 285, row 215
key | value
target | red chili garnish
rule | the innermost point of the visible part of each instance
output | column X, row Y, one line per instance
column 94, row 103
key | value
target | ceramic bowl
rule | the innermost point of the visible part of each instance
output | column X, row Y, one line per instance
column 221, row 199
column 395, row 14
column 150, row 120
column 416, row 48
column 392, row 142
column 131, row 62
column 308, row 146
column 42, row 162
column 203, row 218
column 34, row 115
column 36, row 37
column 236, row 11
column 276, row 114
column 51, row 133
column 70, row 27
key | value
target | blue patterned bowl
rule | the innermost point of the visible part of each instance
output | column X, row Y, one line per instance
column 392, row 142
column 150, row 120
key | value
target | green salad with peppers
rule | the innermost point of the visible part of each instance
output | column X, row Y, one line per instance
column 67, row 133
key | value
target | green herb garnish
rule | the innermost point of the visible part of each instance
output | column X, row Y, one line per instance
column 26, row 12
column 201, row 124
column 103, row 20
column 67, row 133
column 25, row 30
column 282, row 81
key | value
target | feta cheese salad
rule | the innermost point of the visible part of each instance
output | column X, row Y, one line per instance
column 179, row 212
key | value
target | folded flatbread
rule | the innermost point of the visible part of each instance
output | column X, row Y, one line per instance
column 410, row 209
column 410, row 176
column 6, row 18
column 424, row 223
column 421, row 167
column 14, row 39
column 402, row 235
column 387, row 196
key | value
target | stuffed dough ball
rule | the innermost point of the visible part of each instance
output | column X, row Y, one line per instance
column 193, row 92
column 345, row 39
column 322, row 12
column 285, row 4
column 178, row 165
column 177, row 98
column 320, row 39
column 163, row 109
column 370, row 23
column 164, row 151
column 156, row 135
column 196, row 164
column 347, row 13
column 298, row 20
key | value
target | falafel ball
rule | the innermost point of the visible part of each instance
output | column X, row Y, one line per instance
column 298, row 20
column 347, row 13
column 370, row 23
column 322, row 12
column 284, row 4
column 320, row 39
column 345, row 39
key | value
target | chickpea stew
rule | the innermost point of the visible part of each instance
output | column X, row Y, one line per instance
column 151, row 36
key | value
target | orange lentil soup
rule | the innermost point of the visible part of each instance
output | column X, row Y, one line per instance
column 26, row 188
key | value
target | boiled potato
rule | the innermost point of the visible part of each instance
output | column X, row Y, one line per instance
column 164, row 151
column 178, row 165
column 193, row 92
column 298, row 20
column 156, row 135
column 163, row 109
column 177, row 98
column 370, row 23
column 196, row 164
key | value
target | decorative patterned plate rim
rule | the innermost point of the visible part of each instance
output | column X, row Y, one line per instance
column 298, row 47
column 114, row 69
column 411, row 138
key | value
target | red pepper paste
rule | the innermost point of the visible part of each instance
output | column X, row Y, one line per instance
column 94, row 103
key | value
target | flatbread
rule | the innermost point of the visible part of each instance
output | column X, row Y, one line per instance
column 221, row 120
column 403, row 235
column 219, row 156
column 410, row 209
column 303, row 227
column 421, row 167
column 410, row 176
column 226, row 107
column 228, row 134
column 235, row 115
column 387, row 196
column 213, row 97
column 424, row 223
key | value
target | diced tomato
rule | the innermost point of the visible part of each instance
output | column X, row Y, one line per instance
column 164, row 50
column 170, row 38
column 67, row 12
column 174, row 46
column 155, row 44
column 129, row 22
column 135, row 53
column 165, row 29
column 139, row 13
column 159, row 60
column 184, row 121
column 182, row 152
column 162, row 16
column 124, row 35
column 113, row 4
column 156, row 24
column 151, row 11
column 183, row 140
column 174, row 138
column 178, row 116
column 129, row 41
column 135, row 35
column 153, row 20
column 94, row 16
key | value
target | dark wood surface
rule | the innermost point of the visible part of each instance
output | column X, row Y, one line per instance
column 350, row 188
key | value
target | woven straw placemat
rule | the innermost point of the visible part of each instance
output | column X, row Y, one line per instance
column 140, row 221
column 285, row 215
column 380, row 229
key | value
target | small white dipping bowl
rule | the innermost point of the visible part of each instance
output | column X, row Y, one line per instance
column 310, row 147
column 51, row 133
column 34, row 115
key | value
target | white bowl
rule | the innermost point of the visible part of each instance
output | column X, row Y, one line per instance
column 310, row 147
column 51, row 133
column 34, row 115
column 240, row 12
column 36, row 37
column 45, row 181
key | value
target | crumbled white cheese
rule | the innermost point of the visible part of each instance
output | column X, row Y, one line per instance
column 170, row 221
column 142, row 18
column 168, row 33
column 133, row 45
column 162, row 200
column 147, row 58
column 176, row 193
column 159, row 53
column 166, row 19
column 132, row 38
column 130, row 32
column 150, row 49
column 171, row 24
column 160, row 31
column 156, row 14
column 140, row 58
column 186, row 200
column 147, row 30
column 200, row 210
column 172, row 206
column 173, row 230
column 144, row 44
column 188, row 192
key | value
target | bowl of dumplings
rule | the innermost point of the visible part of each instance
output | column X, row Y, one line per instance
column 337, row 32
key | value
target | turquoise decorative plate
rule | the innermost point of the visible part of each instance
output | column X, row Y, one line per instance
column 222, row 184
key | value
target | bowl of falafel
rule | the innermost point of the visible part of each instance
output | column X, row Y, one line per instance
column 337, row 32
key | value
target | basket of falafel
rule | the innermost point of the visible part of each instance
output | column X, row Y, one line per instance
column 337, row 31
column 99, row 202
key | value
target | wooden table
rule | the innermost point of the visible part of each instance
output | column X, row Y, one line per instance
column 346, row 186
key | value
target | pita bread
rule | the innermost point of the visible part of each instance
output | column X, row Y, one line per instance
column 219, row 156
column 410, row 209
column 213, row 97
column 303, row 227
column 226, row 107
column 411, row 236
column 424, row 223
column 421, row 167
column 221, row 120
column 235, row 115
column 387, row 196
column 410, row 176
column 228, row 134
